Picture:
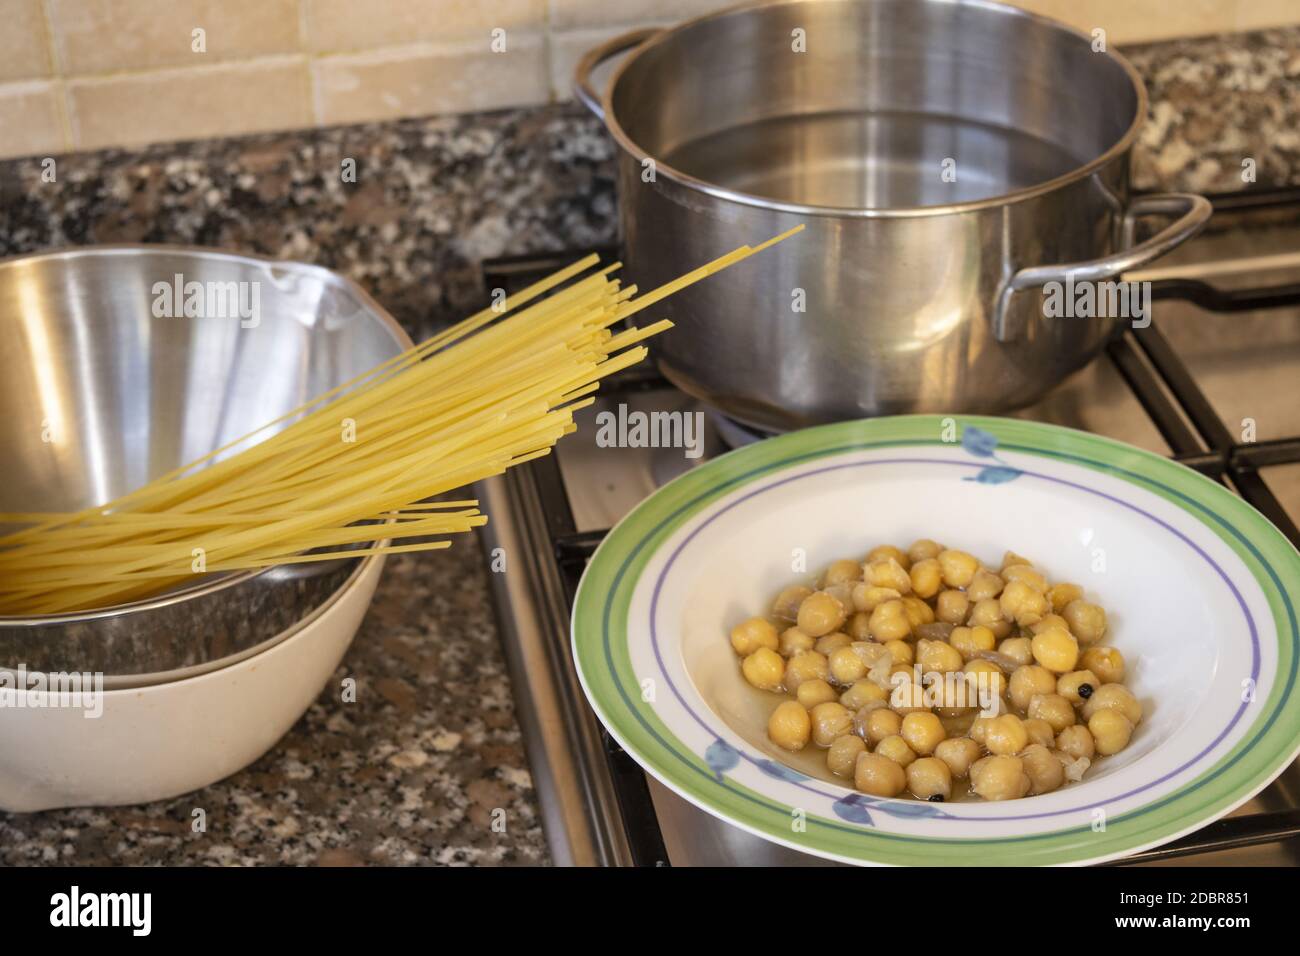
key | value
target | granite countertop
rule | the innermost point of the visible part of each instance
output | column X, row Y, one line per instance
column 413, row 771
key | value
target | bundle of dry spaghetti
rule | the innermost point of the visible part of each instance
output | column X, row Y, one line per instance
column 496, row 390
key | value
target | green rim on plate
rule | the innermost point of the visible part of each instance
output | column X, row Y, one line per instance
column 600, row 630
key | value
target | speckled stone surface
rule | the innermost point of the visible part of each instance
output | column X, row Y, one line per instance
column 414, row 770
column 1215, row 102
column 425, row 767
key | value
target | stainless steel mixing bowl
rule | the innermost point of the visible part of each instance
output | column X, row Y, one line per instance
column 106, row 383
column 949, row 159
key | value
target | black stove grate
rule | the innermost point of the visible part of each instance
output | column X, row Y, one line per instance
column 1164, row 387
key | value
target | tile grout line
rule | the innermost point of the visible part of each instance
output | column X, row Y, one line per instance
column 63, row 98
column 309, row 62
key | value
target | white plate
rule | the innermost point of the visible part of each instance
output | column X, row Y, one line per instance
column 1197, row 586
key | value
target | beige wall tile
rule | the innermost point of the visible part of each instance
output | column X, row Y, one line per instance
column 100, row 36
column 24, row 48
column 568, row 47
column 29, row 118
column 341, row 25
column 421, row 81
column 192, row 103
column 587, row 14
column 1126, row 21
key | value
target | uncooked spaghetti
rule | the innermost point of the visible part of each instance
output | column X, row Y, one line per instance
column 357, row 463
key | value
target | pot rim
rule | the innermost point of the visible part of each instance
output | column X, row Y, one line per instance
column 223, row 580
column 1117, row 150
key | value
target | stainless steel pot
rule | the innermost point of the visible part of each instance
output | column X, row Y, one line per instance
column 949, row 158
column 101, row 394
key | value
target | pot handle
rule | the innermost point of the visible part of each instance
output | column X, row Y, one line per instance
column 597, row 55
column 1195, row 212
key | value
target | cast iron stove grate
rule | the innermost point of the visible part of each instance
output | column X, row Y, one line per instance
column 1149, row 365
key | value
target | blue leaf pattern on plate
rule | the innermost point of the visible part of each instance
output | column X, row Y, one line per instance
column 773, row 769
column 852, row 808
column 996, row 475
column 978, row 442
column 721, row 757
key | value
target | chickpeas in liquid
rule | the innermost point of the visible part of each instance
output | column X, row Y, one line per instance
column 880, row 666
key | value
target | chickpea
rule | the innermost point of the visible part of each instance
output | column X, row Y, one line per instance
column 830, row 720
column 1000, row 777
column 878, row 775
column 870, row 652
column 889, row 623
column 902, row 652
column 820, row 613
column 1048, row 622
column 842, row 572
column 988, row 613
column 1113, row 697
column 952, row 607
column 1040, row 732
column 830, row 643
column 810, row 693
column 868, row 597
column 938, row 656
column 1111, row 730
column 1071, row 686
column 958, row 753
column 984, row 585
column 1056, row 650
column 1087, row 621
column 1062, row 594
column 917, row 612
column 859, row 626
column 1044, row 771
column 794, row 640
column 969, row 641
column 979, row 729
column 789, row 726
column 1028, row 681
column 1027, row 574
column 989, row 679
column 1019, row 649
column 764, row 669
column 1106, row 662
column 887, row 552
column 877, row 724
column 843, row 755
column 1076, row 742
column 953, row 693
column 749, row 636
column 862, row 693
column 923, row 732
column 1010, row 559
column 958, row 568
column 896, row 749
column 927, row 578
column 923, row 549
column 786, row 606
column 1053, row 708
column 888, row 573
column 1021, row 603
column 1006, row 735
column 929, row 779
column 907, row 696
column 806, row 665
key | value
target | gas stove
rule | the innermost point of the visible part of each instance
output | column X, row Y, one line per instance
column 1213, row 381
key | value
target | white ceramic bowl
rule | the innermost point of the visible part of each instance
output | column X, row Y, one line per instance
column 1198, row 589
column 156, row 742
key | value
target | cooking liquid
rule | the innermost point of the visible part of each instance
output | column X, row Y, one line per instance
column 872, row 160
